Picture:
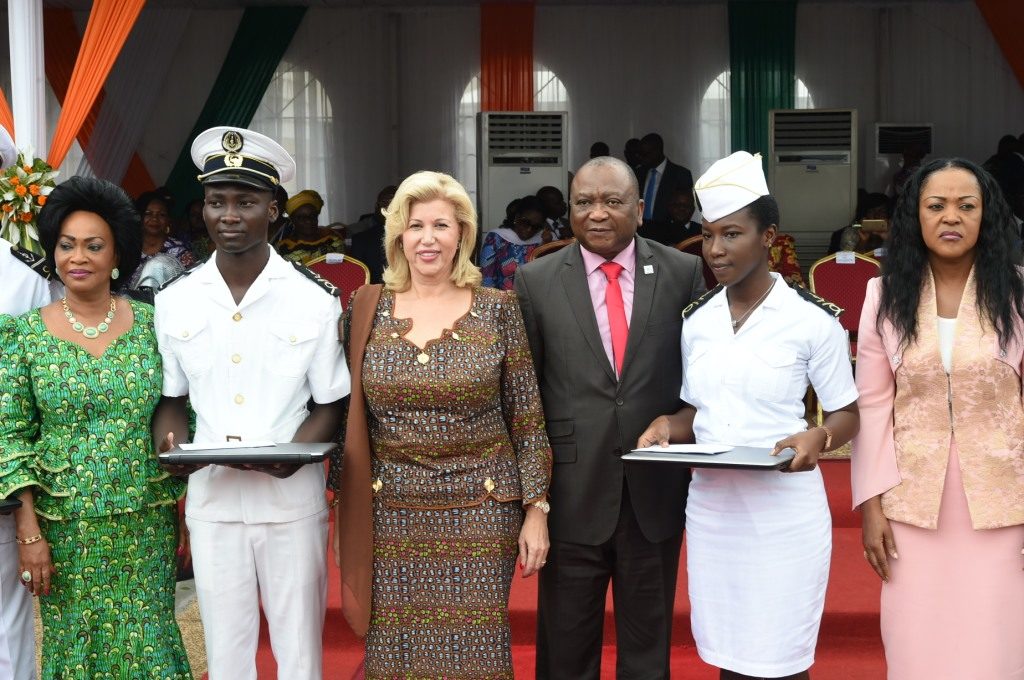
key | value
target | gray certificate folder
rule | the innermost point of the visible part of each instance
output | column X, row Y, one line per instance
column 258, row 455
column 738, row 458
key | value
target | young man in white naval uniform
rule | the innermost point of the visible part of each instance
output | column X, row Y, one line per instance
column 24, row 285
column 249, row 338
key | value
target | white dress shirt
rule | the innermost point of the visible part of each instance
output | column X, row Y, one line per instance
column 749, row 386
column 22, row 289
column 249, row 370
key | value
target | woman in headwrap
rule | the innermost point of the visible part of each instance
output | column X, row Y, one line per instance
column 307, row 239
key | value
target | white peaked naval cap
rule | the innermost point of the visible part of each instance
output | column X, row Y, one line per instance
column 8, row 151
column 231, row 154
column 732, row 183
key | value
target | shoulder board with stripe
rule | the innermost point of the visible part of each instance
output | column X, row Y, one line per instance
column 317, row 279
column 699, row 302
column 36, row 263
column 178, row 277
column 818, row 301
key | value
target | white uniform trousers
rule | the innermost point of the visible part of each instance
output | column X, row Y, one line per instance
column 17, row 635
column 284, row 566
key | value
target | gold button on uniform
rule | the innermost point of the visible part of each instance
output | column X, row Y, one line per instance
column 239, row 399
column 291, row 339
column 184, row 334
column 236, row 358
column 237, row 316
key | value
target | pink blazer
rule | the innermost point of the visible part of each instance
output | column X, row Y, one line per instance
column 910, row 409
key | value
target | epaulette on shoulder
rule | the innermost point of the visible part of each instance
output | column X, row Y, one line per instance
column 699, row 302
column 178, row 277
column 36, row 263
column 818, row 301
column 317, row 279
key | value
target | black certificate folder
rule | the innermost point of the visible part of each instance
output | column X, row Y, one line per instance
column 736, row 458
column 250, row 455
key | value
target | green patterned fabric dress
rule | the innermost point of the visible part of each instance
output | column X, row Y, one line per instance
column 77, row 428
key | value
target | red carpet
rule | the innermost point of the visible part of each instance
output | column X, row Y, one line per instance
column 849, row 646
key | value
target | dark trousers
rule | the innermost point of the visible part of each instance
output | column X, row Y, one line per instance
column 570, row 614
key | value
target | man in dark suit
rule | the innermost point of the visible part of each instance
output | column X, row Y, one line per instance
column 603, row 317
column 660, row 178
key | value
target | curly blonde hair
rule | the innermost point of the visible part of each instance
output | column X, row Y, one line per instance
column 418, row 188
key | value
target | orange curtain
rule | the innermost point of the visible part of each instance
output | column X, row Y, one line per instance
column 61, row 47
column 110, row 22
column 6, row 117
column 1005, row 20
column 506, row 56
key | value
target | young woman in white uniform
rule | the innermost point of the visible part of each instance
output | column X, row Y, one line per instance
column 758, row 542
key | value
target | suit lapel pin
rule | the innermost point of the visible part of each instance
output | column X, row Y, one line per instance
column 648, row 269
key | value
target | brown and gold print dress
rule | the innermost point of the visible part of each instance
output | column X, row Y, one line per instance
column 457, row 433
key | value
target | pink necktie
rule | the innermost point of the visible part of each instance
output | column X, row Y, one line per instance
column 616, row 313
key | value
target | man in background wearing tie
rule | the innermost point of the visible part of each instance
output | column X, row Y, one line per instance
column 660, row 178
column 603, row 317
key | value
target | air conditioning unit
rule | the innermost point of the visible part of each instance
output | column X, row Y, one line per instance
column 519, row 152
column 812, row 173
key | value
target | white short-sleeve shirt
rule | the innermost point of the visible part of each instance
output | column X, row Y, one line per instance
column 748, row 387
column 22, row 288
column 249, row 370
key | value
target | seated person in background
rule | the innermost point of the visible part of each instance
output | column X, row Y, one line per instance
column 367, row 235
column 782, row 259
column 307, row 239
column 553, row 203
column 505, row 249
column 679, row 226
column 155, row 209
column 282, row 226
column 198, row 238
column 872, row 207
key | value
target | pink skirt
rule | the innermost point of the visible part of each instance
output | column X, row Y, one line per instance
column 954, row 606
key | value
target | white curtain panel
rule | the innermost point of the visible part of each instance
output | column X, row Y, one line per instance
column 910, row 63
column 629, row 70
column 132, row 90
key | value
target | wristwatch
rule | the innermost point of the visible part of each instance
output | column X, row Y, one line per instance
column 828, row 438
column 543, row 506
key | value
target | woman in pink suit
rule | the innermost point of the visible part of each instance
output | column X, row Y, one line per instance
column 938, row 465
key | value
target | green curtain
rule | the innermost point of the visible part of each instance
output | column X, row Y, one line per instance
column 762, row 47
column 262, row 37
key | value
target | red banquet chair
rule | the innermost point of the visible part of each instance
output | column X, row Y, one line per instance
column 695, row 246
column 347, row 273
column 845, row 284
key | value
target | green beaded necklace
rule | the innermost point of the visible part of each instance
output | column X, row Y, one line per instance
column 90, row 331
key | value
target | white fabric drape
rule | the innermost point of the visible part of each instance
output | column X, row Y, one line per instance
column 28, row 82
column 132, row 90
column 634, row 69
column 910, row 63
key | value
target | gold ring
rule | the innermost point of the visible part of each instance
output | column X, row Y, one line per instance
column 26, row 576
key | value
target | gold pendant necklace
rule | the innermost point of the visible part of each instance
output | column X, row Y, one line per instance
column 736, row 322
column 90, row 331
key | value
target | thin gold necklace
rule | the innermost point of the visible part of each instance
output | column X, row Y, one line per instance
column 736, row 322
column 90, row 331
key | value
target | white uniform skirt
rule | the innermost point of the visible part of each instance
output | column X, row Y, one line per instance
column 758, row 546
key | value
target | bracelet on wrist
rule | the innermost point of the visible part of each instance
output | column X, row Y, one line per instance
column 30, row 540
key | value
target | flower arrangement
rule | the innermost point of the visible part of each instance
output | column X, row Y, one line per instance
column 23, row 190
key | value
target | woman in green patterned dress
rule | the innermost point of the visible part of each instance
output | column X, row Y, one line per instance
column 79, row 380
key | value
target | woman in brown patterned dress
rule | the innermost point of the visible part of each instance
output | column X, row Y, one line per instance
column 460, row 461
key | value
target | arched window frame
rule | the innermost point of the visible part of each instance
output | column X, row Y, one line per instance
column 549, row 94
column 716, row 117
column 296, row 112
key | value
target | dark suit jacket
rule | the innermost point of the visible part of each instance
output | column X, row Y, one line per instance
column 592, row 418
column 675, row 177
